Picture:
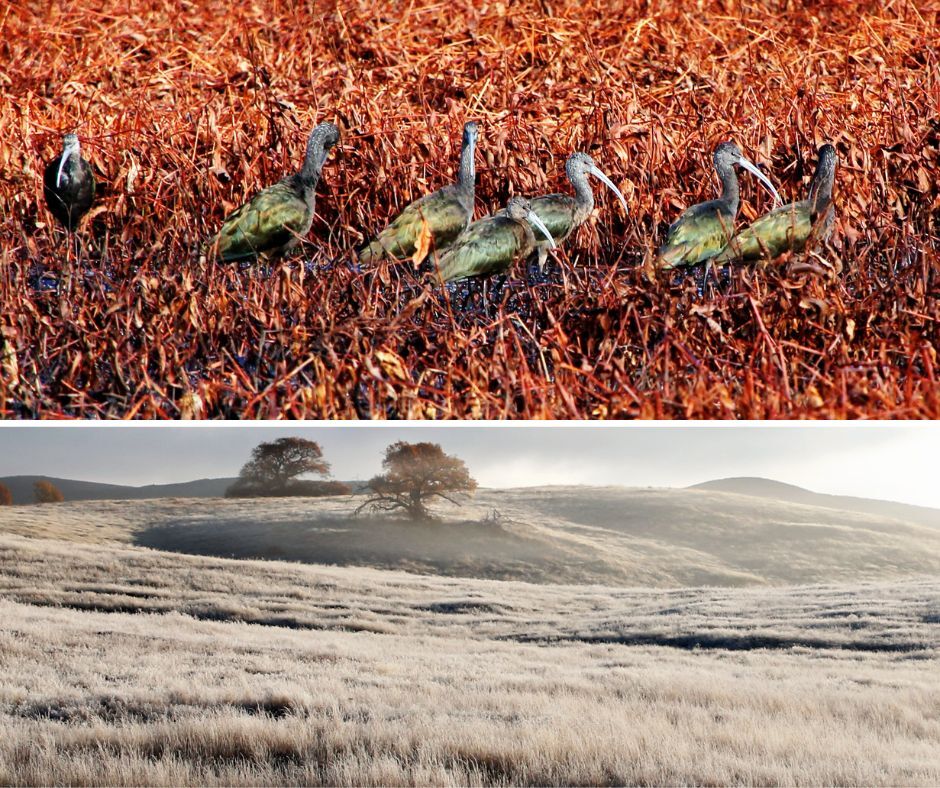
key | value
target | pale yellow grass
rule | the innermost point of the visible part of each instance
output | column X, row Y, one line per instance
column 247, row 672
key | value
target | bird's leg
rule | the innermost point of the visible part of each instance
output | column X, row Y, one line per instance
column 498, row 284
column 543, row 257
column 469, row 294
column 79, row 252
column 709, row 268
column 66, row 277
column 68, row 248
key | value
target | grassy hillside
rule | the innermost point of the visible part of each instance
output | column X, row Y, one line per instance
column 617, row 536
column 130, row 666
column 768, row 488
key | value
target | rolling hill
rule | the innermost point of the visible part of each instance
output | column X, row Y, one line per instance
column 779, row 491
column 615, row 536
column 75, row 490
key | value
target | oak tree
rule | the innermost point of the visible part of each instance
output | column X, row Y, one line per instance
column 274, row 467
column 415, row 474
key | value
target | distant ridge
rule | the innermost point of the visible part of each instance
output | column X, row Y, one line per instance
column 74, row 490
column 758, row 487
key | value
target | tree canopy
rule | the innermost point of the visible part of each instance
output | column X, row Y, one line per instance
column 415, row 474
column 274, row 467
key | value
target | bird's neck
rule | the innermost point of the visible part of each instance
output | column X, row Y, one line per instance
column 313, row 164
column 583, row 193
column 730, row 194
column 466, row 179
column 820, row 194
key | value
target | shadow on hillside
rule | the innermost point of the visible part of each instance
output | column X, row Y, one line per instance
column 484, row 549
column 728, row 641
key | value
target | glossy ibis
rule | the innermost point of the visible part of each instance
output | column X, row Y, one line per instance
column 446, row 213
column 704, row 229
column 491, row 245
column 69, row 184
column 789, row 227
column 562, row 213
column 276, row 218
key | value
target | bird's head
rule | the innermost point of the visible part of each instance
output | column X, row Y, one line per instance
column 820, row 190
column 519, row 209
column 727, row 155
column 470, row 133
column 321, row 139
column 579, row 162
column 70, row 148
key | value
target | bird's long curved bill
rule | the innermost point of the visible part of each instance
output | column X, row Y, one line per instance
column 761, row 177
column 610, row 185
column 66, row 154
column 536, row 222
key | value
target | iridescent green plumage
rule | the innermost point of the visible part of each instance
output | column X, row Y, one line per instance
column 699, row 234
column 276, row 218
column 705, row 229
column 789, row 227
column 491, row 245
column 445, row 213
column 562, row 213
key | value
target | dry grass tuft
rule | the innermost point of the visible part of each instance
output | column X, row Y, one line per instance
column 186, row 110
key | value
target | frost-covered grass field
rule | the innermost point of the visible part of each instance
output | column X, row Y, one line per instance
column 123, row 665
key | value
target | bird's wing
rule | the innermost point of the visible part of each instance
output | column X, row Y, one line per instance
column 557, row 213
column 487, row 247
column 269, row 221
column 699, row 234
column 783, row 229
column 445, row 217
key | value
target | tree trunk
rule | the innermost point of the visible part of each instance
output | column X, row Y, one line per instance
column 416, row 508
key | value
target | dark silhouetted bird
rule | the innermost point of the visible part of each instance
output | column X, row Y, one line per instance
column 69, row 184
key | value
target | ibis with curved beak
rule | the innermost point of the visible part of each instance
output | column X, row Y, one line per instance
column 705, row 229
column 491, row 245
column 69, row 184
column 562, row 213
column 445, row 214
column 276, row 218
column 790, row 227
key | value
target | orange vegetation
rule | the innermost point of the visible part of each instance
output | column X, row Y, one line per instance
column 185, row 111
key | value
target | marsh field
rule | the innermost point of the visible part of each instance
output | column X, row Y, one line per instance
column 186, row 109
column 129, row 664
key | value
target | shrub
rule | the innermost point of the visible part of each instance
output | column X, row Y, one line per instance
column 46, row 492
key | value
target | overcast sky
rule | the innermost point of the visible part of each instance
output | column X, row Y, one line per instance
column 876, row 460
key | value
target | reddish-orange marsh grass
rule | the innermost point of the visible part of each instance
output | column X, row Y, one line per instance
column 186, row 109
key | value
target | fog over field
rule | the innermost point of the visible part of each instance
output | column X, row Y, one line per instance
column 646, row 537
